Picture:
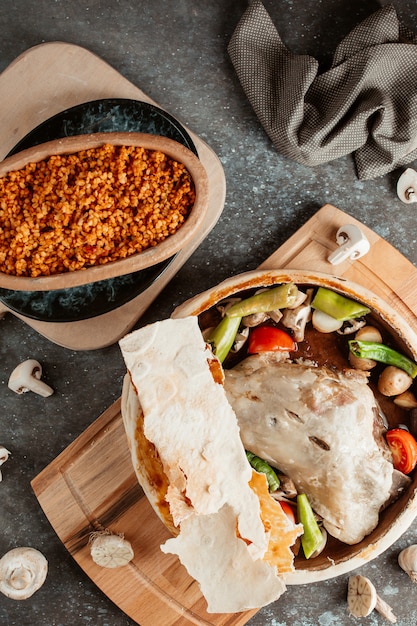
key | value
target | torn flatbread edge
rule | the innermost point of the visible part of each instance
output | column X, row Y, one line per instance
column 239, row 560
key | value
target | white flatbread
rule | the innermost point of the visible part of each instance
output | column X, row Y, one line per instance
column 208, row 543
column 188, row 419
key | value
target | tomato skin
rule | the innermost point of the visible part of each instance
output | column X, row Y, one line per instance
column 269, row 338
column 403, row 447
column 288, row 510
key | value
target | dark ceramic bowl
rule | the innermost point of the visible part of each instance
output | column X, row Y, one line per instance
column 83, row 301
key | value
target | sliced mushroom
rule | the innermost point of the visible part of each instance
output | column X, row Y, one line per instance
column 296, row 317
column 352, row 326
column 286, row 490
column 22, row 572
column 4, row 455
column 255, row 319
column 287, row 486
column 27, row 377
column 296, row 320
column 275, row 316
column 226, row 304
column 240, row 340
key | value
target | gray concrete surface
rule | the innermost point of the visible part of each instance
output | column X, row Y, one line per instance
column 176, row 52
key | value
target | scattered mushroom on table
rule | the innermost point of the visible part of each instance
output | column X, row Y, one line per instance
column 4, row 455
column 22, row 572
column 27, row 377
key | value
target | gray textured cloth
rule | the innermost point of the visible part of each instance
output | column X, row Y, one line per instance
column 365, row 104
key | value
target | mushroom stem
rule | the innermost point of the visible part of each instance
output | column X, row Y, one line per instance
column 27, row 377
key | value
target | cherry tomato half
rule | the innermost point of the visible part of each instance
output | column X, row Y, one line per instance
column 269, row 338
column 403, row 447
column 288, row 510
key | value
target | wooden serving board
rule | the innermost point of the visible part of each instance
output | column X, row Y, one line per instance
column 60, row 76
column 383, row 270
column 92, row 485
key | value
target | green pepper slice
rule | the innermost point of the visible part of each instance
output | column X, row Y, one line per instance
column 269, row 300
column 312, row 537
column 263, row 467
column 338, row 306
column 383, row 354
column 223, row 336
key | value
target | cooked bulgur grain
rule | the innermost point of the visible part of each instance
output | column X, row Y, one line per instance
column 70, row 212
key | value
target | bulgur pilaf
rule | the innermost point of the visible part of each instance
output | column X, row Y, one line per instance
column 74, row 211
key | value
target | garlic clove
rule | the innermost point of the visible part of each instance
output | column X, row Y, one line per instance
column 407, row 560
column 361, row 596
column 111, row 551
column 362, row 599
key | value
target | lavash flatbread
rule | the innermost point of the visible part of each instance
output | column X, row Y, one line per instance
column 185, row 418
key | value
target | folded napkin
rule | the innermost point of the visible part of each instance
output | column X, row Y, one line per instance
column 365, row 104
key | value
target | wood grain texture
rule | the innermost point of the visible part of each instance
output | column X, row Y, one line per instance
column 60, row 76
column 383, row 270
column 92, row 486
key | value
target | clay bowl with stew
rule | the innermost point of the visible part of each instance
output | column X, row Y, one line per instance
column 337, row 557
column 104, row 251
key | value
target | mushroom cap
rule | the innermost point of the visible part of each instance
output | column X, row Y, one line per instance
column 22, row 572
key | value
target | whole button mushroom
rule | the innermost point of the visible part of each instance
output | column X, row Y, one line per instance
column 27, row 377
column 22, row 572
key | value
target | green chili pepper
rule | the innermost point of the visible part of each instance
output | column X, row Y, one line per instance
column 263, row 467
column 222, row 337
column 269, row 300
column 337, row 306
column 312, row 537
column 383, row 354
